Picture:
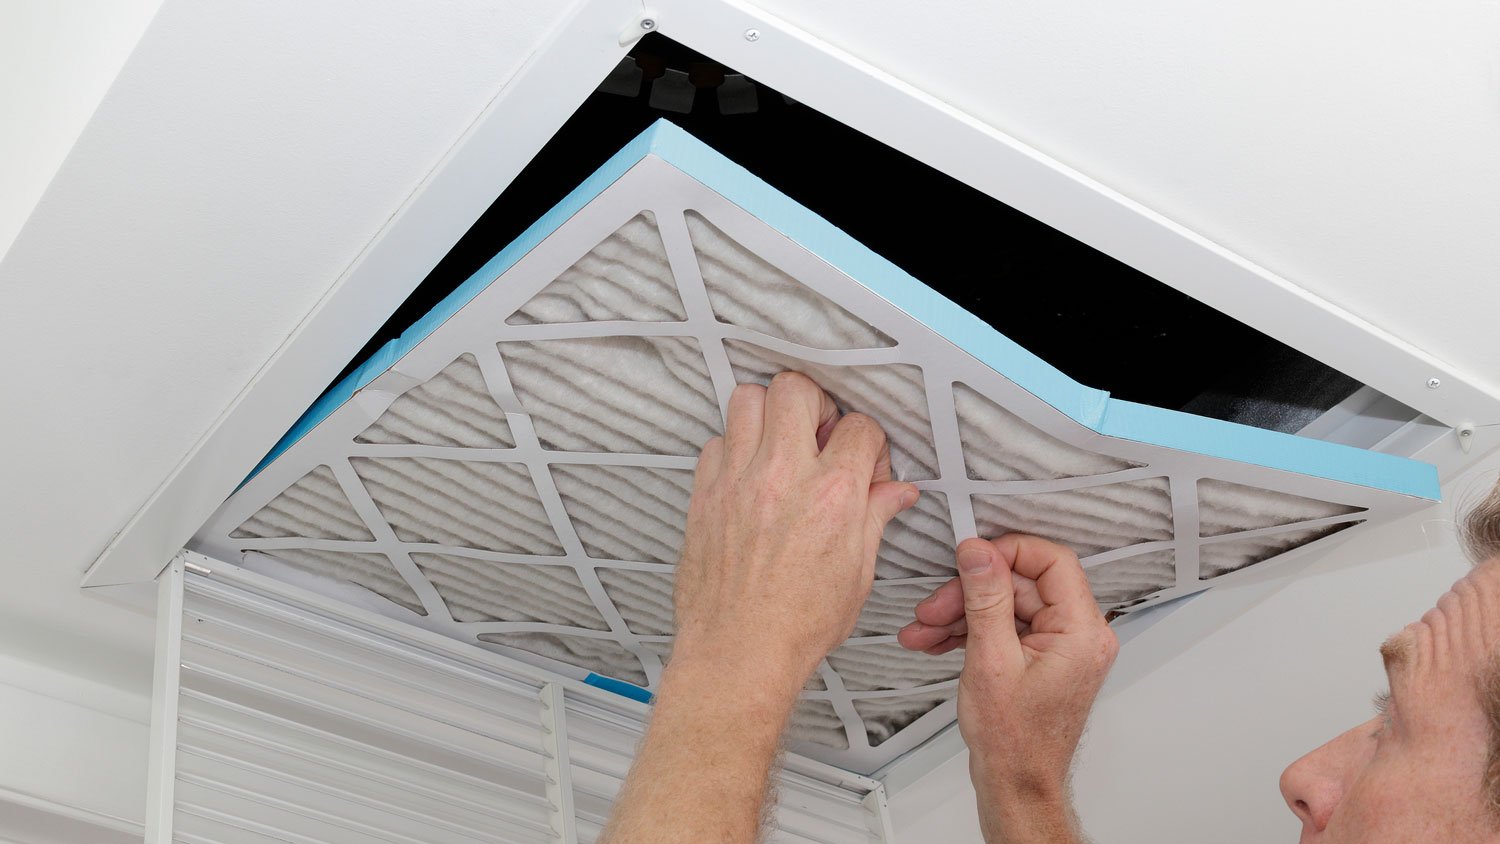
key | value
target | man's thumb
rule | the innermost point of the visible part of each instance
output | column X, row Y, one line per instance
column 989, row 598
column 888, row 498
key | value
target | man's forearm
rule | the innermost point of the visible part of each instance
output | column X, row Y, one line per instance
column 703, row 771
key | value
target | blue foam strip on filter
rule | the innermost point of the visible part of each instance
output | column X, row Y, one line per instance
column 1128, row 420
column 1088, row 406
column 619, row 687
column 384, row 358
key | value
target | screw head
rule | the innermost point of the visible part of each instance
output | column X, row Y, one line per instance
column 752, row 34
column 1434, row 383
column 648, row 24
column 1466, row 432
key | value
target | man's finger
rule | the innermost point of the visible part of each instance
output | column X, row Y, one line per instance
column 919, row 637
column 858, row 443
column 710, row 462
column 1060, row 582
column 743, row 429
column 989, row 605
column 944, row 606
column 947, row 645
column 1028, row 599
column 796, row 411
column 888, row 499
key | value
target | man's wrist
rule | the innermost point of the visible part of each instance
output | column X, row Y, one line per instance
column 1018, row 806
column 749, row 668
column 1041, row 823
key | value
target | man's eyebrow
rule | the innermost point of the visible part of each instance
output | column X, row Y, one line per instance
column 1396, row 651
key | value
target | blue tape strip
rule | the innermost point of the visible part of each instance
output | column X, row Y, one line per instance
column 1090, row 407
column 619, row 687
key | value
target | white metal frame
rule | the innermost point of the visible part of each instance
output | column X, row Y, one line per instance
column 559, row 772
column 161, row 766
column 385, row 647
column 540, row 97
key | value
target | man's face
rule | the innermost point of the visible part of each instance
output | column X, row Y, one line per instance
column 1415, row 772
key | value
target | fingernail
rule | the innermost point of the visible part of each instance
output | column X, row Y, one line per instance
column 908, row 498
column 973, row 560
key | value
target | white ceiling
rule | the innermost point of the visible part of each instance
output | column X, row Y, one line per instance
column 1351, row 147
column 244, row 156
column 248, row 151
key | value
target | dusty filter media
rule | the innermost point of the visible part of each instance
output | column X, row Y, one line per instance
column 515, row 470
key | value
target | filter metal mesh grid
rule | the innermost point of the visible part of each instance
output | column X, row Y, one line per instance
column 520, row 478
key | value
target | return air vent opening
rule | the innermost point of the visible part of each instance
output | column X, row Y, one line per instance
column 1100, row 321
column 514, row 470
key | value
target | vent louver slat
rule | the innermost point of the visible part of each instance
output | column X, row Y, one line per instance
column 295, row 720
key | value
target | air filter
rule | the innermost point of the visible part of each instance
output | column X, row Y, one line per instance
column 514, row 471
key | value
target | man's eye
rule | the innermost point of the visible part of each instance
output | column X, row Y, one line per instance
column 1382, row 704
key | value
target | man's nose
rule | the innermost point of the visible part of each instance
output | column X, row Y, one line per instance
column 1313, row 785
column 1310, row 795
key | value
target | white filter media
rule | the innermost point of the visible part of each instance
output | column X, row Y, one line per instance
column 888, row 666
column 890, row 607
column 602, row 656
column 918, row 542
column 644, row 598
column 461, row 503
column 1219, row 558
column 1225, row 508
column 314, row 507
column 634, row 513
column 519, row 478
column 817, row 722
column 453, row 409
column 1130, row 579
column 885, row 716
column 1091, row 520
column 626, row 277
column 484, row 590
column 638, row 395
column 368, row 571
column 749, row 291
column 1000, row 446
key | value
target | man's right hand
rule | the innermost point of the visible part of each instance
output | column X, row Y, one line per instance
column 1038, row 651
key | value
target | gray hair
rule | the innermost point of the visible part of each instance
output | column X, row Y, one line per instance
column 1479, row 529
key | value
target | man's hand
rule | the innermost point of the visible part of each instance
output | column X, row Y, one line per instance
column 786, row 516
column 778, row 558
column 1038, row 651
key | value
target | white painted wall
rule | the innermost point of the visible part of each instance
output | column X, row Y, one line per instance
column 74, row 751
column 56, row 61
column 1192, row 732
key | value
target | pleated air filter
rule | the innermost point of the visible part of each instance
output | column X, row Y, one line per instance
column 515, row 470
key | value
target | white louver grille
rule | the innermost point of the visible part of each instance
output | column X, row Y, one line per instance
column 290, row 718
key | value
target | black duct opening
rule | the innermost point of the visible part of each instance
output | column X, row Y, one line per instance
column 1098, row 320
